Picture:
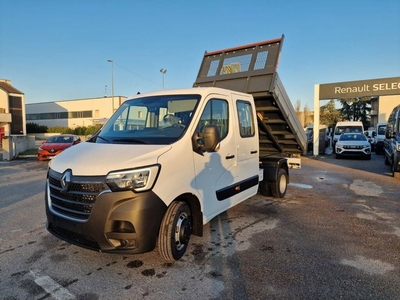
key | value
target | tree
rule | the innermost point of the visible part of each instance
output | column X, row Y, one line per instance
column 356, row 109
column 328, row 114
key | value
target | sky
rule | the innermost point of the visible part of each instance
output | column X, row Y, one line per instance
column 54, row 50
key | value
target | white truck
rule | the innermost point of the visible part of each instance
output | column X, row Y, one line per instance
column 346, row 127
column 168, row 162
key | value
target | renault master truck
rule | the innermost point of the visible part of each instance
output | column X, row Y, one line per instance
column 168, row 162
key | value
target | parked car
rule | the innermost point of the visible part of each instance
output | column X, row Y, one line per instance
column 370, row 134
column 57, row 144
column 353, row 144
column 392, row 142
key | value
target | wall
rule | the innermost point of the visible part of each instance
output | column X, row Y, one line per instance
column 386, row 105
column 14, row 145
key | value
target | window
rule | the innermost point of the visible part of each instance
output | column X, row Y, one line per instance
column 15, row 105
column 215, row 113
column 245, row 116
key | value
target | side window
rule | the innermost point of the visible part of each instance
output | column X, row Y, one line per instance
column 245, row 117
column 215, row 113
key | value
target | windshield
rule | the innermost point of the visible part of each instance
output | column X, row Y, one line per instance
column 348, row 129
column 381, row 129
column 150, row 120
column 352, row 137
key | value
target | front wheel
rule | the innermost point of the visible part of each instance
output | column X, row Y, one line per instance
column 278, row 188
column 387, row 162
column 175, row 231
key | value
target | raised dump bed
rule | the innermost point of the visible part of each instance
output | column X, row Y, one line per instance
column 252, row 69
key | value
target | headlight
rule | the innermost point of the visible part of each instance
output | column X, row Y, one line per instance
column 138, row 180
column 339, row 145
column 40, row 148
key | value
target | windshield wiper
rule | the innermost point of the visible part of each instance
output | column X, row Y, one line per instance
column 130, row 140
column 104, row 139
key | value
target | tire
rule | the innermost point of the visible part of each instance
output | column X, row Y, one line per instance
column 176, row 228
column 278, row 188
column 368, row 157
column 387, row 162
column 392, row 168
column 338, row 156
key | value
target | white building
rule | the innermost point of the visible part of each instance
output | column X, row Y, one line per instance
column 73, row 113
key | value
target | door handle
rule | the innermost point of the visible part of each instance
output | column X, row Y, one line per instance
column 230, row 156
column 253, row 151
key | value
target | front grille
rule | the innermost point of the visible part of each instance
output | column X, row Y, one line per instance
column 352, row 147
column 74, row 238
column 78, row 199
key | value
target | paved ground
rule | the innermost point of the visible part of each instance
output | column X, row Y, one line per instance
column 336, row 235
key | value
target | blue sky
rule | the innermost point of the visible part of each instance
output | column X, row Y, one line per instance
column 58, row 49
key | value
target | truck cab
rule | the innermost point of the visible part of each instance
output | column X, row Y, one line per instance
column 392, row 142
column 195, row 147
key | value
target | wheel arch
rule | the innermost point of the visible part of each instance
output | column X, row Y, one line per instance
column 195, row 209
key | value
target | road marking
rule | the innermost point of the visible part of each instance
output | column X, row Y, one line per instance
column 52, row 287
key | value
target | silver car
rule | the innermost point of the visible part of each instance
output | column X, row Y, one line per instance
column 353, row 144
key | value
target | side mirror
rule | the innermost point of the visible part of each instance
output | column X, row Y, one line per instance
column 206, row 141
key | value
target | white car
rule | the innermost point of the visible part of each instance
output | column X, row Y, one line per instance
column 353, row 144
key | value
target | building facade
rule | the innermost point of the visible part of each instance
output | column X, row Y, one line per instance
column 73, row 113
column 381, row 107
column 12, row 110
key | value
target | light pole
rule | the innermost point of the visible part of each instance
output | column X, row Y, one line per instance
column 112, row 82
column 163, row 73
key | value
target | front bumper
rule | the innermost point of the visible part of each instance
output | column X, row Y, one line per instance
column 46, row 155
column 118, row 222
column 353, row 152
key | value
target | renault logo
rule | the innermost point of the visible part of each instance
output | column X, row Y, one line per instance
column 66, row 181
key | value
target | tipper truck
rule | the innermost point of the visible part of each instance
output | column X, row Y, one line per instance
column 168, row 162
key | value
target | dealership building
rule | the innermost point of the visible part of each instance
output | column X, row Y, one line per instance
column 73, row 113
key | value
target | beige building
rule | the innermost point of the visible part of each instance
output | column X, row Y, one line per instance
column 12, row 110
column 73, row 113
column 381, row 108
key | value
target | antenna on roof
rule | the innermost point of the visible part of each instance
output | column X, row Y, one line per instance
column 105, row 91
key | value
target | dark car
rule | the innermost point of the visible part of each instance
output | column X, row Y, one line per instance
column 57, row 144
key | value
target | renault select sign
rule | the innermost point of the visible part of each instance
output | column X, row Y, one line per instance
column 362, row 88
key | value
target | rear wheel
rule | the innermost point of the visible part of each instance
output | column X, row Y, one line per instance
column 278, row 188
column 175, row 231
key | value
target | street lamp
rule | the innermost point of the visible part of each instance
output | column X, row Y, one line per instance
column 112, row 82
column 163, row 73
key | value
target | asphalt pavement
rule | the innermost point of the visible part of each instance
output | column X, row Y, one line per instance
column 335, row 235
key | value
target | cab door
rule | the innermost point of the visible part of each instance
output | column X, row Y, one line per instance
column 215, row 171
column 247, row 147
